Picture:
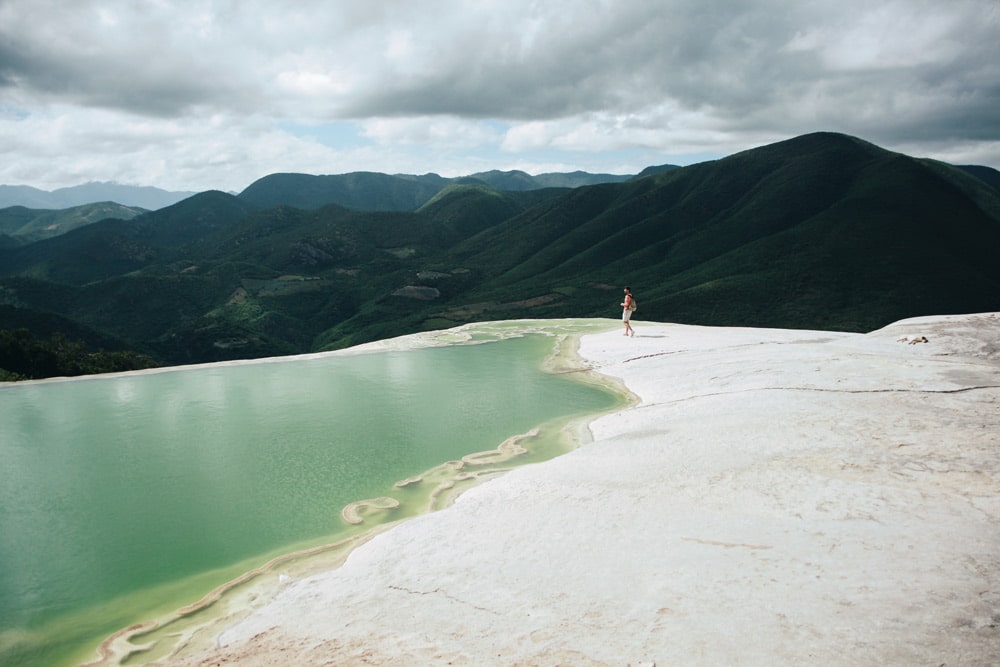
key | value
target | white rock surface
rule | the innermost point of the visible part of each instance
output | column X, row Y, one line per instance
column 777, row 497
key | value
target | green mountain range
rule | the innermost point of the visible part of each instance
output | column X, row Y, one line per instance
column 823, row 231
column 368, row 191
column 20, row 225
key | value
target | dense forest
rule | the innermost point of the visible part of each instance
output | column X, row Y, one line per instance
column 24, row 357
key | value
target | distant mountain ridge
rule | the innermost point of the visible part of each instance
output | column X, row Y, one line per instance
column 25, row 225
column 45, row 215
column 358, row 190
column 372, row 191
column 822, row 231
column 146, row 197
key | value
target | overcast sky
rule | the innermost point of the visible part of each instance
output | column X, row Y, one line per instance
column 215, row 94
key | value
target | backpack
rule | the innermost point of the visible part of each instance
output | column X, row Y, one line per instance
column 633, row 306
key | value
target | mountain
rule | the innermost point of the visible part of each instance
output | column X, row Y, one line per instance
column 362, row 190
column 25, row 225
column 822, row 231
column 113, row 247
column 33, row 218
column 146, row 197
column 368, row 191
column 988, row 175
column 519, row 180
column 659, row 169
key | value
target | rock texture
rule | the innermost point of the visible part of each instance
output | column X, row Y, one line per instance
column 775, row 497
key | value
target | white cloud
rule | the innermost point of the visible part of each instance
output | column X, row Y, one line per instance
column 442, row 133
column 311, row 84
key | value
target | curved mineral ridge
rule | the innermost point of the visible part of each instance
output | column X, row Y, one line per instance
column 353, row 512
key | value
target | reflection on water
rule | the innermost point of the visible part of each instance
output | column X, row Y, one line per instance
column 116, row 485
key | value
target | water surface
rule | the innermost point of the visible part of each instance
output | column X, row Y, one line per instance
column 123, row 494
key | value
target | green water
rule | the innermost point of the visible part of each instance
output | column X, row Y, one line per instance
column 116, row 488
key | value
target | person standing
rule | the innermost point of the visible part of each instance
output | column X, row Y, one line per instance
column 627, row 308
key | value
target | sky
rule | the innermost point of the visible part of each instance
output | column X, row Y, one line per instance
column 214, row 94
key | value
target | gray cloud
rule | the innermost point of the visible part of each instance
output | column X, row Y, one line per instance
column 914, row 68
column 710, row 76
column 125, row 56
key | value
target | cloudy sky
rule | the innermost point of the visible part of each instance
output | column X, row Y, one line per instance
column 217, row 93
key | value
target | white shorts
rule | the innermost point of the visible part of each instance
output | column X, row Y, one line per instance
column 626, row 315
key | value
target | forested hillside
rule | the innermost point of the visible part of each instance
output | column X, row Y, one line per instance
column 823, row 231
